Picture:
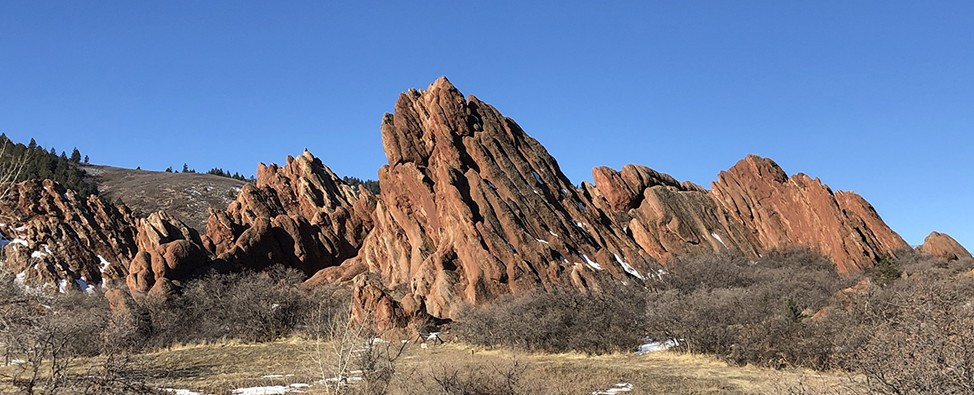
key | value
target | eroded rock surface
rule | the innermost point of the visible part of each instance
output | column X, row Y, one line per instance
column 472, row 208
column 301, row 215
column 58, row 240
column 943, row 246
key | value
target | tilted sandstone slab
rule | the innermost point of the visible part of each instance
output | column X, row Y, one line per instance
column 301, row 215
column 59, row 240
column 471, row 208
column 752, row 208
column 943, row 246
column 783, row 211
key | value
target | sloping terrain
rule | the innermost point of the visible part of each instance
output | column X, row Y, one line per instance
column 186, row 196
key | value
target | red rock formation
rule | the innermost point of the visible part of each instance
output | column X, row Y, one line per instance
column 754, row 207
column 783, row 211
column 300, row 215
column 472, row 208
column 169, row 252
column 943, row 246
column 57, row 239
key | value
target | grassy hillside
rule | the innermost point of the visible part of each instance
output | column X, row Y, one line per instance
column 187, row 196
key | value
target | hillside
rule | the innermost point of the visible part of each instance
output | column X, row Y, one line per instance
column 186, row 196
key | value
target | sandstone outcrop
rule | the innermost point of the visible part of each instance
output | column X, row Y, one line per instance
column 169, row 252
column 783, row 211
column 471, row 208
column 752, row 208
column 59, row 240
column 301, row 215
column 943, row 246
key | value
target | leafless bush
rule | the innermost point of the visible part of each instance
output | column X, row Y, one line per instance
column 499, row 380
column 749, row 311
column 917, row 334
column 560, row 320
column 251, row 306
column 351, row 356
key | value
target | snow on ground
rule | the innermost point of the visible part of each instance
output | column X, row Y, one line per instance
column 590, row 262
column 615, row 389
column 104, row 264
column 268, row 390
column 178, row 391
column 651, row 346
column 542, row 241
column 85, row 287
column 716, row 236
column 628, row 269
column 62, row 286
column 19, row 241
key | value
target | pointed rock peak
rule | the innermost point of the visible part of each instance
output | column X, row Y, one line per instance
column 442, row 83
column 943, row 246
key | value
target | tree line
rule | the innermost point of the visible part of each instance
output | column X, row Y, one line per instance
column 37, row 162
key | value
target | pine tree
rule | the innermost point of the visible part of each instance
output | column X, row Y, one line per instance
column 33, row 145
column 185, row 168
column 76, row 155
column 169, row 169
column 86, row 159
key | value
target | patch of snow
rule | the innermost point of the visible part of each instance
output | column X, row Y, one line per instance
column 179, row 391
column 269, row 390
column 553, row 233
column 433, row 336
column 537, row 177
column 277, row 376
column 104, row 264
column 628, row 269
column 651, row 346
column 62, row 286
column 20, row 278
column 579, row 224
column 590, row 262
column 542, row 241
column 37, row 255
column 615, row 389
column 716, row 236
column 84, row 285
column 17, row 361
column 564, row 192
column 19, row 241
column 20, row 228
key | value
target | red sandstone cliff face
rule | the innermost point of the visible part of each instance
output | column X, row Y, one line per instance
column 472, row 208
column 943, row 246
column 783, row 211
column 301, row 215
column 169, row 252
column 752, row 208
column 57, row 240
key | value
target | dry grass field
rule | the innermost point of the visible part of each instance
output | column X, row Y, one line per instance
column 293, row 365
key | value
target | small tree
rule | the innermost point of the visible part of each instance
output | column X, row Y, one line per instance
column 76, row 155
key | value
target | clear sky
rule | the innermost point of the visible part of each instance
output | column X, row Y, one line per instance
column 876, row 97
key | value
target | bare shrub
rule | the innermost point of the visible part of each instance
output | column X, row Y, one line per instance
column 749, row 311
column 916, row 335
column 499, row 380
column 250, row 306
column 560, row 320
column 351, row 356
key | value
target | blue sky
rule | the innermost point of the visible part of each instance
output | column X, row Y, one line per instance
column 876, row 97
